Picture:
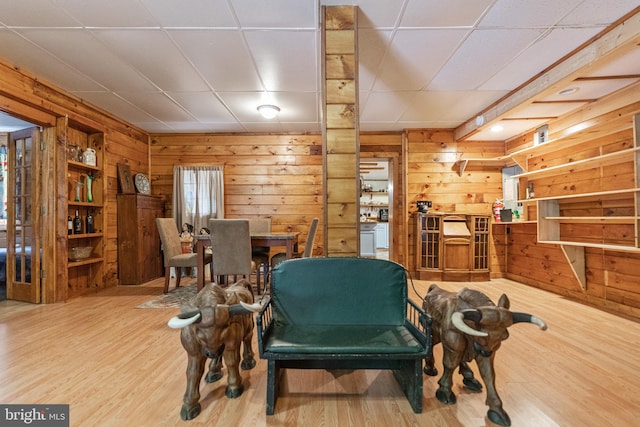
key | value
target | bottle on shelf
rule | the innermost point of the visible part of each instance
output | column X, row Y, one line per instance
column 69, row 225
column 88, row 226
column 77, row 224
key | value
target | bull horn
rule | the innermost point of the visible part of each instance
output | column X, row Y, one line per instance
column 184, row 319
column 244, row 308
column 457, row 319
column 528, row 318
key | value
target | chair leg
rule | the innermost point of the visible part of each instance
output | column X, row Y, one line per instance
column 167, row 277
column 178, row 276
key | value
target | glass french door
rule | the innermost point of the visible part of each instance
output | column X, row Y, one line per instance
column 23, row 217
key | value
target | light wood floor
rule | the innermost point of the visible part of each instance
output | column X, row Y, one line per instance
column 121, row 366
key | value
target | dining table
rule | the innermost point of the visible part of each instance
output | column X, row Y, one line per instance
column 289, row 240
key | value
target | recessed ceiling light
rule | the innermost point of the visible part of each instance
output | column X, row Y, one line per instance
column 268, row 111
column 497, row 128
column 568, row 91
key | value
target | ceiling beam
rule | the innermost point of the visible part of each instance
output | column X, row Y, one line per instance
column 621, row 38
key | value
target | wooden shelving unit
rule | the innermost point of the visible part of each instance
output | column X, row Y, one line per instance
column 83, row 275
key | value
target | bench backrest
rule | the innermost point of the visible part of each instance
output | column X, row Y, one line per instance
column 337, row 291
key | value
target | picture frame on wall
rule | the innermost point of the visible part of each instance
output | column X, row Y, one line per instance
column 125, row 180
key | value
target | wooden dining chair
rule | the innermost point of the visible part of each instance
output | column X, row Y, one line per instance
column 231, row 249
column 172, row 252
column 260, row 254
column 308, row 246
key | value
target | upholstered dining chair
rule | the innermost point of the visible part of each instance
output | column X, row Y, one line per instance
column 308, row 246
column 172, row 251
column 231, row 248
column 260, row 254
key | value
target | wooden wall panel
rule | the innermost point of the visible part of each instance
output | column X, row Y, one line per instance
column 431, row 175
column 265, row 176
column 37, row 102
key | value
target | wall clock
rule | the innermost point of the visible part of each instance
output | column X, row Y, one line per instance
column 142, row 183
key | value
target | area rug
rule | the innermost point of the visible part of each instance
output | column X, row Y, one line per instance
column 174, row 299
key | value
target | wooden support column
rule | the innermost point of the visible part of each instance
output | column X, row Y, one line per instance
column 341, row 146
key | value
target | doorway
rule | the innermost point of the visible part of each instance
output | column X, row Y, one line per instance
column 20, row 216
column 376, row 207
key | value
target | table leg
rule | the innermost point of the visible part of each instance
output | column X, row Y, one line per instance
column 200, row 258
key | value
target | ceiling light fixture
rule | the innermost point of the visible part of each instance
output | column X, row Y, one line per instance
column 497, row 128
column 268, row 111
column 568, row 91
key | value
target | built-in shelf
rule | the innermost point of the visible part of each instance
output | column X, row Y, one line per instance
column 573, row 196
column 85, row 236
column 593, row 162
column 87, row 261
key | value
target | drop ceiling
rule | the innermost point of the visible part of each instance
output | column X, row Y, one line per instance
column 170, row 66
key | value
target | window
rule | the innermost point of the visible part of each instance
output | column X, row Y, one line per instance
column 198, row 194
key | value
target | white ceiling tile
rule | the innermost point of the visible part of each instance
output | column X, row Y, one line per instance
column 599, row 12
column 415, row 56
column 591, row 89
column 619, row 66
column 158, row 105
column 90, row 58
column 541, row 110
column 37, row 61
column 372, row 46
column 155, row 55
column 221, row 56
column 112, row 13
column 276, row 13
column 373, row 13
column 455, row 107
column 35, row 13
column 277, row 70
column 384, row 106
column 438, row 13
column 537, row 57
column 204, row 106
column 116, row 105
column 199, row 13
column 481, row 56
column 518, row 13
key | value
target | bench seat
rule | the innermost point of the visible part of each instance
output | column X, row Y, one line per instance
column 325, row 340
column 343, row 313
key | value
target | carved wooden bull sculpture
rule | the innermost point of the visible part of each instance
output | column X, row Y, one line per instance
column 220, row 321
column 452, row 313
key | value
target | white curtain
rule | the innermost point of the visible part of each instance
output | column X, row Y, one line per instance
column 198, row 194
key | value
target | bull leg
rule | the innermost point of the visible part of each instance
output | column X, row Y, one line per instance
column 451, row 361
column 468, row 378
column 215, row 369
column 191, row 401
column 232, row 360
column 496, row 414
column 248, row 359
column 429, row 365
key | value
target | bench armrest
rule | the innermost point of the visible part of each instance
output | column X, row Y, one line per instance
column 419, row 322
column 264, row 322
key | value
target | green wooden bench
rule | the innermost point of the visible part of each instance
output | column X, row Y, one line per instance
column 343, row 313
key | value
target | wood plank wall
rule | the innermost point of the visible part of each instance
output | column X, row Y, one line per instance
column 431, row 175
column 265, row 176
column 29, row 98
column 612, row 277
